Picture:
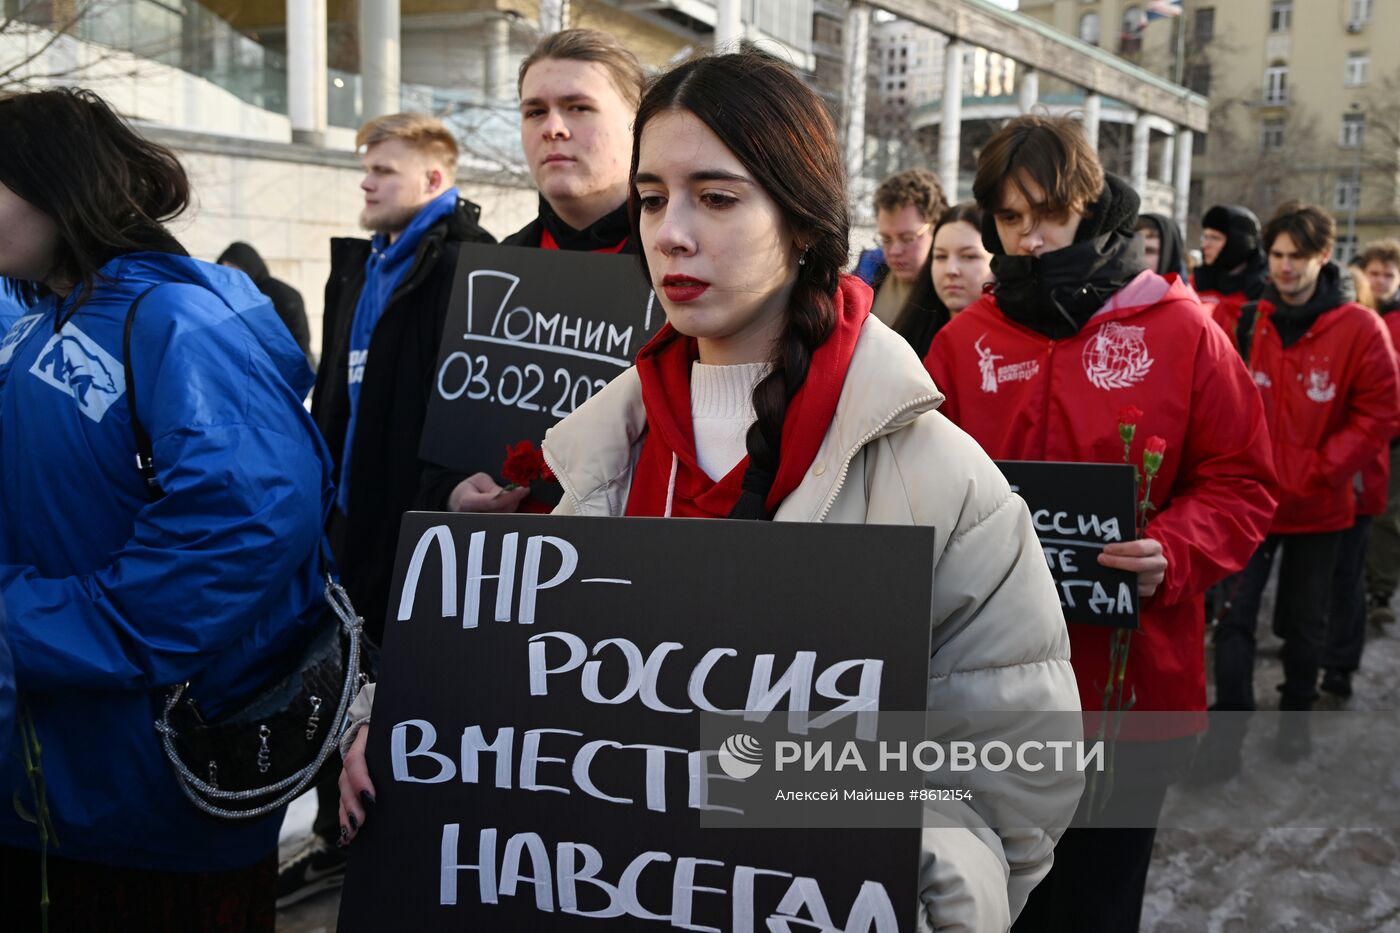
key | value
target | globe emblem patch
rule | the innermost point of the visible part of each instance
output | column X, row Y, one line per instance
column 1116, row 357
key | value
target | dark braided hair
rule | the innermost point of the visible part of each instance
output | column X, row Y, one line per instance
column 781, row 132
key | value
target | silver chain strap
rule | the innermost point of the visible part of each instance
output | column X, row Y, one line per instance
column 206, row 796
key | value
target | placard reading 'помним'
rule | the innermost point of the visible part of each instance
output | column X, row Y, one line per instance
column 531, row 334
column 1077, row 508
column 535, row 746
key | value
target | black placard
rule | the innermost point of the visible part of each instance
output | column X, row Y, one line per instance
column 1077, row 508
column 486, row 594
column 530, row 335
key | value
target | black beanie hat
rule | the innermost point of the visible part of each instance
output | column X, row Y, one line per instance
column 1241, row 229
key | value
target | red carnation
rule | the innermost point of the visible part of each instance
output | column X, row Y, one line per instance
column 525, row 464
column 1152, row 452
column 1129, row 414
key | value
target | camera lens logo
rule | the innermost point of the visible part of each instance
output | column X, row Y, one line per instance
column 741, row 756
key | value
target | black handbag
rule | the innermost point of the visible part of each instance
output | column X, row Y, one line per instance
column 258, row 756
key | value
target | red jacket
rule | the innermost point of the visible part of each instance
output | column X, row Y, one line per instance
column 1333, row 405
column 1375, row 475
column 1025, row 397
column 1224, row 309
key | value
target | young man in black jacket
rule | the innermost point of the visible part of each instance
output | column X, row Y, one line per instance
column 386, row 303
column 286, row 300
column 579, row 91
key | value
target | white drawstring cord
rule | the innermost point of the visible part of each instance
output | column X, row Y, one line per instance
column 671, row 486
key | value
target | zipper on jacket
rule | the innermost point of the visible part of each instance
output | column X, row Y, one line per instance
column 563, row 480
column 874, row 433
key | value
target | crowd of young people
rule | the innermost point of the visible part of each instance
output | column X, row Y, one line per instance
column 1022, row 325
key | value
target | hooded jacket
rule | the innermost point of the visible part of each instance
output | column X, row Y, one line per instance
column 111, row 597
column 1172, row 258
column 998, row 637
column 399, row 374
column 1222, row 289
column 1023, row 396
column 286, row 300
column 1331, row 398
column 11, row 308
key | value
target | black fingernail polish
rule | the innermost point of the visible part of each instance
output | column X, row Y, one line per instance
column 354, row 823
column 367, row 797
column 344, row 832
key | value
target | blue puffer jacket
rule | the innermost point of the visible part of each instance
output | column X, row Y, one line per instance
column 112, row 597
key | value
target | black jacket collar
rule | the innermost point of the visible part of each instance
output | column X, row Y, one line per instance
column 604, row 233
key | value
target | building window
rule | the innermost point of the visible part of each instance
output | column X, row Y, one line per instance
column 1198, row 78
column 1205, row 24
column 1281, row 16
column 1348, row 194
column 1089, row 28
column 1131, row 39
column 1353, row 131
column 1345, row 250
column 1359, row 14
column 1276, row 84
column 1198, row 144
column 1358, row 69
column 1271, row 135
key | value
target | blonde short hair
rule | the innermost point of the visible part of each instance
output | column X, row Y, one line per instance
column 420, row 132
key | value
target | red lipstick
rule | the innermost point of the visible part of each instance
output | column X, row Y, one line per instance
column 683, row 288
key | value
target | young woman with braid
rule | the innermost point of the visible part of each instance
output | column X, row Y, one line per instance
column 773, row 393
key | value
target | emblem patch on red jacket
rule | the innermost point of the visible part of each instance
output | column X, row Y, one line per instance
column 993, row 375
column 1321, row 388
column 1116, row 357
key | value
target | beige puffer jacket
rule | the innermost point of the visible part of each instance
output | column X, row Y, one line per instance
column 999, row 639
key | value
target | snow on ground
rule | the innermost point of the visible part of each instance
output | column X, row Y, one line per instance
column 1281, row 880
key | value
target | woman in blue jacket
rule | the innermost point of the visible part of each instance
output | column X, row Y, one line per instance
column 112, row 595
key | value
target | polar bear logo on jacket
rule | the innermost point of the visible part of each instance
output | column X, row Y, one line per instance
column 74, row 364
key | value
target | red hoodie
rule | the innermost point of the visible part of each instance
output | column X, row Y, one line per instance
column 1224, row 308
column 1333, row 406
column 1023, row 396
column 669, row 481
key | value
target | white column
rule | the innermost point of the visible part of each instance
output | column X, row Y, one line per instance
column 1142, row 136
column 857, row 46
column 950, row 130
column 1029, row 91
column 496, row 77
column 306, row 70
column 379, row 57
column 1093, row 113
column 1181, row 204
column 729, row 25
column 554, row 16
column 1168, row 164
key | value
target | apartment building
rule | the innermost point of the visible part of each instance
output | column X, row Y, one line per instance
column 1304, row 94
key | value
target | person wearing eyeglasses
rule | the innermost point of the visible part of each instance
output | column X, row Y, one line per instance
column 906, row 207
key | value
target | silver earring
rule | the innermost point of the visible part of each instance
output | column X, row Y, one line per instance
column 802, row 260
